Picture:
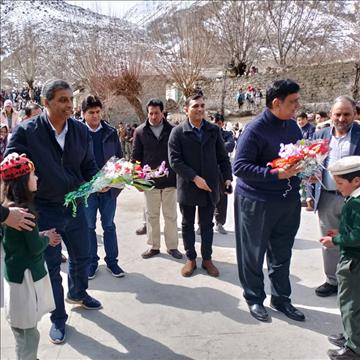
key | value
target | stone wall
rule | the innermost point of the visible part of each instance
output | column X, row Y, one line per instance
column 320, row 84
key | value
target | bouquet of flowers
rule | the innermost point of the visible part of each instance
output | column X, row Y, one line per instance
column 117, row 173
column 307, row 154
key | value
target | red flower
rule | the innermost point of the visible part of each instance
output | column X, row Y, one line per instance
column 282, row 162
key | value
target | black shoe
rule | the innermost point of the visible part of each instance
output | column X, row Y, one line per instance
column 220, row 229
column 343, row 354
column 289, row 310
column 326, row 289
column 259, row 312
column 141, row 231
column 150, row 253
column 337, row 340
column 175, row 253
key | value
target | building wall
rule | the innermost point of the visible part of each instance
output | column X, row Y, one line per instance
column 320, row 85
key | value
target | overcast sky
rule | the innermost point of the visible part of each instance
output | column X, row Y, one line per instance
column 113, row 8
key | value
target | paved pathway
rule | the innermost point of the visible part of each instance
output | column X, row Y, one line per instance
column 156, row 314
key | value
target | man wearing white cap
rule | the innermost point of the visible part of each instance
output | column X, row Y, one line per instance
column 9, row 116
column 344, row 137
column 346, row 174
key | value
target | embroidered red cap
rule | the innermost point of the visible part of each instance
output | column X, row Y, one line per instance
column 14, row 166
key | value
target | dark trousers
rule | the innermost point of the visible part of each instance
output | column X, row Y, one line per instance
column 74, row 233
column 265, row 228
column 348, row 275
column 206, row 214
column 106, row 204
column 221, row 207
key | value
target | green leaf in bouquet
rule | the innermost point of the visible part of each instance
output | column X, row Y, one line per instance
column 142, row 184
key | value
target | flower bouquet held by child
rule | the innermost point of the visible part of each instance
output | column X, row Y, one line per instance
column 308, row 155
column 27, row 289
column 117, row 173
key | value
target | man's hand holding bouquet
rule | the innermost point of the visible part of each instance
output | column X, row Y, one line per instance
column 117, row 173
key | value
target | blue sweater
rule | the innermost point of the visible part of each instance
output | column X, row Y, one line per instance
column 307, row 131
column 98, row 147
column 259, row 144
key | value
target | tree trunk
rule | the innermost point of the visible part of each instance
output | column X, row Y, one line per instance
column 136, row 104
column 223, row 93
column 356, row 90
column 31, row 89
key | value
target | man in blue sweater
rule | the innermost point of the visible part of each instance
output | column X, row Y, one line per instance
column 106, row 144
column 267, row 202
column 306, row 128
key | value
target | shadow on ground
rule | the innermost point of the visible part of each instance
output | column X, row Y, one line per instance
column 138, row 347
column 200, row 299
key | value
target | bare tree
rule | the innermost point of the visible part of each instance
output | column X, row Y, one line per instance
column 238, row 30
column 26, row 58
column 182, row 47
column 354, row 33
column 294, row 28
column 108, row 68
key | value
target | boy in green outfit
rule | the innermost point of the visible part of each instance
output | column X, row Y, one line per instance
column 346, row 172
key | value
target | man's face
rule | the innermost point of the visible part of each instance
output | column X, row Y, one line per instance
column 319, row 119
column 92, row 116
column 196, row 109
column 155, row 115
column 287, row 108
column 61, row 106
column 342, row 115
column 220, row 124
column 35, row 112
column 346, row 187
column 301, row 121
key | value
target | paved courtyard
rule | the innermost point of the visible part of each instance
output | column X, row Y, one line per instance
column 155, row 314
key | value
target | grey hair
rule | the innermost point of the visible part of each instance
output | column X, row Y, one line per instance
column 347, row 98
column 50, row 88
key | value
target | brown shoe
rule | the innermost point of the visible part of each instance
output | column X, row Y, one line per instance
column 188, row 268
column 150, row 253
column 210, row 268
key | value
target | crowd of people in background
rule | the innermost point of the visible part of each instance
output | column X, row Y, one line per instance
column 202, row 157
column 249, row 99
column 21, row 97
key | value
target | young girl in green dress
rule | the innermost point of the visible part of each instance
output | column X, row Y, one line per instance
column 27, row 288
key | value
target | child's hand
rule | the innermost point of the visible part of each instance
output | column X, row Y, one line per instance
column 332, row 232
column 312, row 179
column 327, row 241
column 54, row 237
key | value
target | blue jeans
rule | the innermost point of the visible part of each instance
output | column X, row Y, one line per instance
column 106, row 204
column 75, row 237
